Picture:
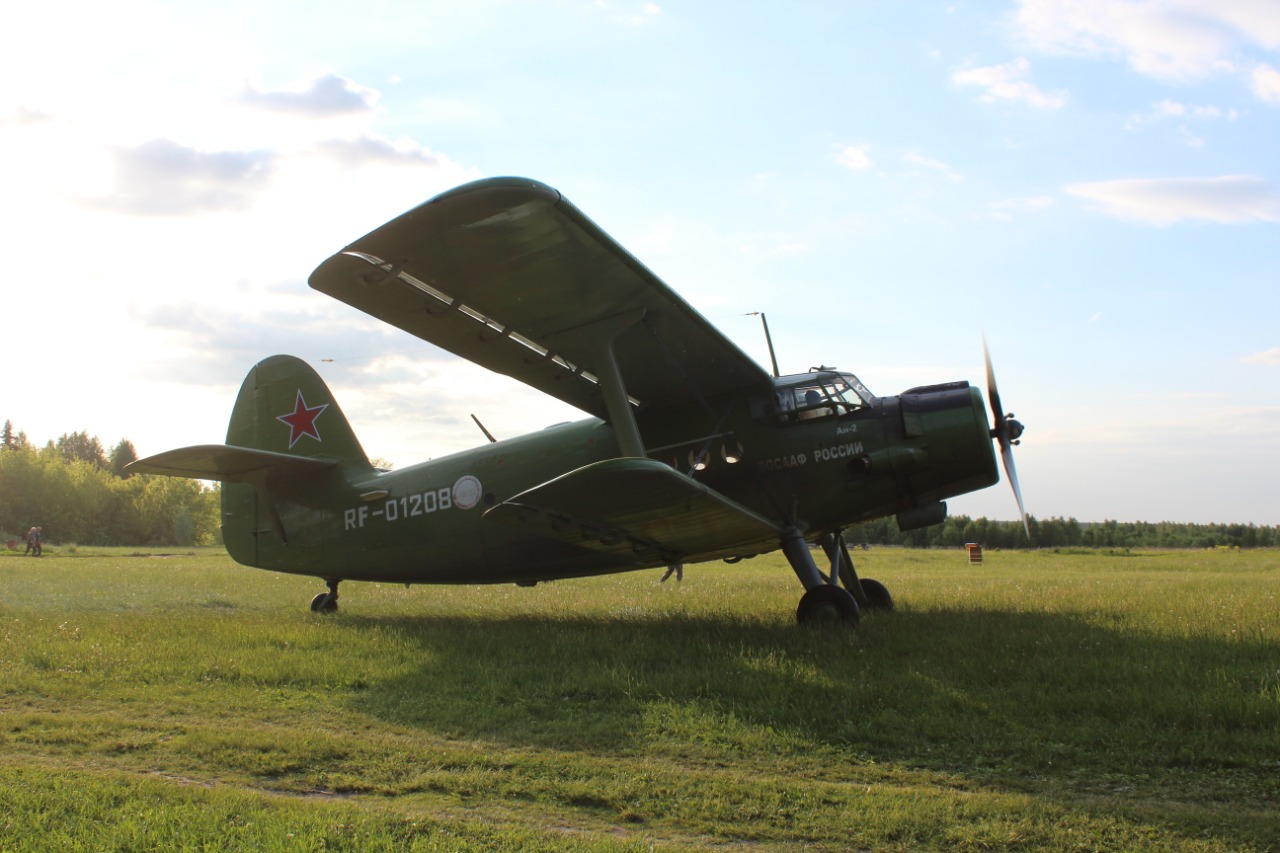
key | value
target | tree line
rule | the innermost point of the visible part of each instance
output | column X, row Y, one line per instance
column 1057, row 532
column 78, row 492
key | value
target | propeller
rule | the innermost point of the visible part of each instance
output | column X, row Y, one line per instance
column 1007, row 431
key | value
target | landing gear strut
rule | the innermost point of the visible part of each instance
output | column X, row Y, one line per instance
column 824, row 599
column 326, row 602
column 870, row 594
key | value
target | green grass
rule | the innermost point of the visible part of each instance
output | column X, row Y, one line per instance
column 1042, row 701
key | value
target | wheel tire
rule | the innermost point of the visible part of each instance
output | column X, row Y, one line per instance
column 828, row 603
column 325, row 602
column 878, row 597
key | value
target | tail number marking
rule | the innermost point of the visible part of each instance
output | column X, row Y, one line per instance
column 394, row 509
column 412, row 506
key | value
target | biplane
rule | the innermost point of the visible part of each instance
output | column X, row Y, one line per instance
column 690, row 451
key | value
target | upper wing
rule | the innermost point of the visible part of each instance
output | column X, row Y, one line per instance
column 507, row 273
column 638, row 510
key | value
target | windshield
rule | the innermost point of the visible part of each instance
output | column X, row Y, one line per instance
column 855, row 385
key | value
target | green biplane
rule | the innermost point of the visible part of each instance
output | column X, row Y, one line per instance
column 692, row 451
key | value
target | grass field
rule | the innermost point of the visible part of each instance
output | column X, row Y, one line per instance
column 1042, row 701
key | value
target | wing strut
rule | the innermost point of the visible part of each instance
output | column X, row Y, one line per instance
column 600, row 336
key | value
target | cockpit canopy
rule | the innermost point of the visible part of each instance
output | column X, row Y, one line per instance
column 819, row 393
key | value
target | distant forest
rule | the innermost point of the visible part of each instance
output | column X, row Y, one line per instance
column 1065, row 533
column 78, row 492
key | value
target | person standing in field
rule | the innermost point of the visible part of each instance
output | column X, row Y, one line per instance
column 39, row 541
column 31, row 541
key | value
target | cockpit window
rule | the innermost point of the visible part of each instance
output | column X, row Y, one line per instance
column 820, row 401
column 855, row 385
column 812, row 396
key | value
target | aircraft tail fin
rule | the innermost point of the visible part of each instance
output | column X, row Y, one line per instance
column 285, row 407
column 286, row 433
column 284, row 420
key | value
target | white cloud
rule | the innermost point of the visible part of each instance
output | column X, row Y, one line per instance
column 23, row 116
column 1168, row 110
column 1165, row 39
column 320, row 96
column 854, row 157
column 163, row 178
column 1266, row 84
column 1005, row 209
column 1007, row 83
column 929, row 164
column 1267, row 358
column 370, row 149
column 646, row 11
column 1171, row 110
column 1230, row 199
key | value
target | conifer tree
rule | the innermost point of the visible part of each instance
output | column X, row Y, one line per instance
column 82, row 446
column 121, row 455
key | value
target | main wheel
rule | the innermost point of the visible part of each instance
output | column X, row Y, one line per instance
column 828, row 603
column 878, row 597
column 325, row 602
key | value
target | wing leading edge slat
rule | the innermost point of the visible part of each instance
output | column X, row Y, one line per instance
column 508, row 274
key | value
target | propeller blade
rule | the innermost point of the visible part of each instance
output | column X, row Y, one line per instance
column 1006, row 431
column 993, row 393
column 1006, row 456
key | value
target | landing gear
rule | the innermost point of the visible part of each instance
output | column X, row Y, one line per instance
column 877, row 595
column 824, row 600
column 326, row 602
column 828, row 603
column 870, row 594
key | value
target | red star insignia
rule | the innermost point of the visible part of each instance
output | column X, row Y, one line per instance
column 302, row 420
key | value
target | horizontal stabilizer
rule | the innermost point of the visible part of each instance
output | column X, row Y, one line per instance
column 639, row 510
column 228, row 464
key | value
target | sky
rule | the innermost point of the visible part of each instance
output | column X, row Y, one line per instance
column 1093, row 185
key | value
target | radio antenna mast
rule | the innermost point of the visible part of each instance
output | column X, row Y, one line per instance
column 768, row 339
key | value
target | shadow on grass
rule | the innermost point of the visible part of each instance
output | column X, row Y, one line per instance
column 1014, row 699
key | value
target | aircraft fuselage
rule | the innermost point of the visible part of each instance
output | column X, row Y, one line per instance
column 425, row 523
